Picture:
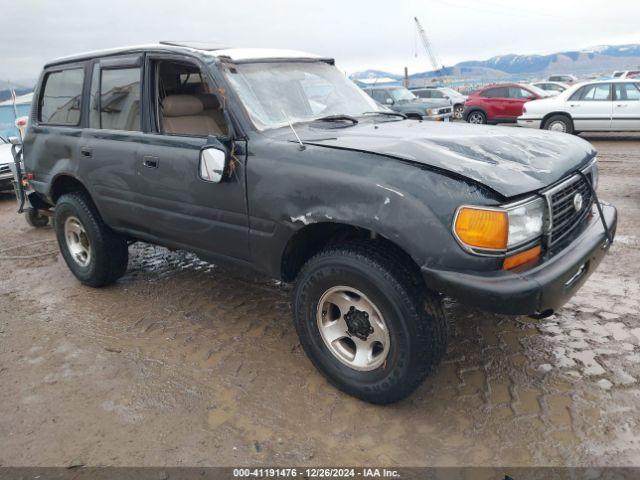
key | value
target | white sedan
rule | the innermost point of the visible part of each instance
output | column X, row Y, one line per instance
column 603, row 105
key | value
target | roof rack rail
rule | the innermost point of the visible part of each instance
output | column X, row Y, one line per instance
column 200, row 45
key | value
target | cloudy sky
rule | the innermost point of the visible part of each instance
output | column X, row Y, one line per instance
column 359, row 34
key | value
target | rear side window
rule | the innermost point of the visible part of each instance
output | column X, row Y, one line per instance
column 120, row 99
column 627, row 91
column 62, row 97
column 500, row 92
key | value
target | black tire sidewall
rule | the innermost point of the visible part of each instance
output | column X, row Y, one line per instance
column 35, row 219
column 330, row 272
column 65, row 208
column 560, row 118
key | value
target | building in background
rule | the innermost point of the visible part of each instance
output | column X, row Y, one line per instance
column 8, row 114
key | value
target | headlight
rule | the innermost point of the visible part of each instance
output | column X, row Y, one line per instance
column 499, row 229
column 431, row 111
column 595, row 174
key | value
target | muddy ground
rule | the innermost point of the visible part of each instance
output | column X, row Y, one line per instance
column 183, row 363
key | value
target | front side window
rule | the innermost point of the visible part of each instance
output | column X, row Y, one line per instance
column 423, row 93
column 120, row 99
column 627, row 92
column 62, row 97
column 275, row 94
column 517, row 92
column 599, row 92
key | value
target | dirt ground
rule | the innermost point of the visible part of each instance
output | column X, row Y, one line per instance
column 183, row 363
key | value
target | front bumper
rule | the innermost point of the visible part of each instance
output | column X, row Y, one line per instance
column 530, row 122
column 541, row 289
column 6, row 182
column 443, row 117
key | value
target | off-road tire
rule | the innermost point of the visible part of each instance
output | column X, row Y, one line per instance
column 568, row 123
column 35, row 218
column 414, row 316
column 110, row 253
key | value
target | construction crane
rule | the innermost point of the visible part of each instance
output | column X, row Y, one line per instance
column 435, row 64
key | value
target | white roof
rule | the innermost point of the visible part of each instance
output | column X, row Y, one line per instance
column 240, row 54
column 376, row 80
column 20, row 100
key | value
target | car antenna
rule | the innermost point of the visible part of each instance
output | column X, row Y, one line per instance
column 302, row 145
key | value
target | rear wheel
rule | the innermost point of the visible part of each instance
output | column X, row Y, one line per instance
column 95, row 254
column 559, row 123
column 477, row 117
column 367, row 323
column 35, row 218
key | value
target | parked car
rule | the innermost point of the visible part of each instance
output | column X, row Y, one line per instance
column 274, row 160
column 6, row 159
column 568, row 79
column 456, row 98
column 592, row 106
column 401, row 100
column 626, row 74
column 500, row 103
column 553, row 88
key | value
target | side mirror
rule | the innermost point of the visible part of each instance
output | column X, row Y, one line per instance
column 213, row 163
column 388, row 101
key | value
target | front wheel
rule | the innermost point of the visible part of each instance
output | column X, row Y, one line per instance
column 367, row 323
column 457, row 111
column 477, row 118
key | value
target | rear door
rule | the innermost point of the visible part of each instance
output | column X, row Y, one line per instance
column 494, row 101
column 626, row 107
column 591, row 107
column 110, row 144
column 518, row 96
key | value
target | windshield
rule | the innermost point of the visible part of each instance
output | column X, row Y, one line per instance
column 275, row 94
column 540, row 92
column 401, row 94
column 450, row 91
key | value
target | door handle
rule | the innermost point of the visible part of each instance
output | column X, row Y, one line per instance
column 622, row 105
column 85, row 151
column 573, row 105
column 150, row 162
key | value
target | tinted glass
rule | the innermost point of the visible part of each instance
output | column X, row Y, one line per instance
column 120, row 99
column 495, row 93
column 422, row 93
column 61, row 97
column 94, row 106
column 627, row 92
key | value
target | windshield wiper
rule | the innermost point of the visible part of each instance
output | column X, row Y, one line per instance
column 390, row 114
column 337, row 118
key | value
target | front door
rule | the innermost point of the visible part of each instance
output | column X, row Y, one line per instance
column 591, row 107
column 626, row 107
column 177, row 206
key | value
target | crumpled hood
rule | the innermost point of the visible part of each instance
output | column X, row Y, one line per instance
column 511, row 161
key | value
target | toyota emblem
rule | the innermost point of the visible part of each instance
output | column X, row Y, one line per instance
column 577, row 202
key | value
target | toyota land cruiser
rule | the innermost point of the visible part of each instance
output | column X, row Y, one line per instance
column 276, row 161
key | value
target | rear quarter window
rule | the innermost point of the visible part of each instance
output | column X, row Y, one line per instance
column 61, row 99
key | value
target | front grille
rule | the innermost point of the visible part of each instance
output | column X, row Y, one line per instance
column 4, row 169
column 564, row 218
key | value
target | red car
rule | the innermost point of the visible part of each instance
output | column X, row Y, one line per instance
column 501, row 103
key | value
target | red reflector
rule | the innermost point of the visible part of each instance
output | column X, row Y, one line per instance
column 29, row 176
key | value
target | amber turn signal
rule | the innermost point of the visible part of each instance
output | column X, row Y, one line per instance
column 522, row 258
column 482, row 228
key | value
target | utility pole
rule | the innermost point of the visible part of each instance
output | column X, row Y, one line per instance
column 406, row 77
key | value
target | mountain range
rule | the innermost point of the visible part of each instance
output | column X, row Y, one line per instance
column 601, row 59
